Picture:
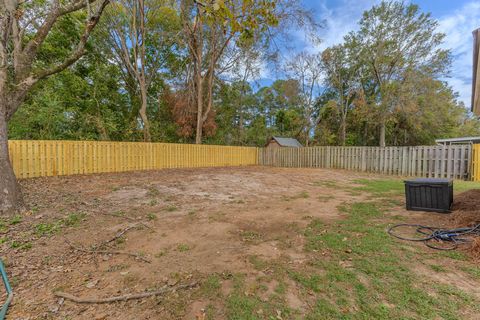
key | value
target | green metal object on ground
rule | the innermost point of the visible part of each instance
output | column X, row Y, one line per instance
column 3, row 311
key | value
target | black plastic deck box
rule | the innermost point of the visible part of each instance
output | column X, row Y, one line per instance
column 429, row 194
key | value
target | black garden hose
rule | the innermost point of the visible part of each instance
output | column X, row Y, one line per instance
column 430, row 235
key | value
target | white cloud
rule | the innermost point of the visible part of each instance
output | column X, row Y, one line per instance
column 339, row 20
column 458, row 27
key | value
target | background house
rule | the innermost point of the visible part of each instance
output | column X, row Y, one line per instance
column 275, row 142
column 460, row 140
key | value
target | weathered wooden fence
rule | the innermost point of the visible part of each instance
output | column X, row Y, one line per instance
column 51, row 158
column 476, row 162
column 422, row 161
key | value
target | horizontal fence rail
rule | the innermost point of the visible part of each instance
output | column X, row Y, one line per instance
column 423, row 161
column 476, row 162
column 39, row 158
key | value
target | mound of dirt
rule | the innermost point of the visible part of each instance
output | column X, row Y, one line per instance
column 466, row 213
column 467, row 201
column 466, row 209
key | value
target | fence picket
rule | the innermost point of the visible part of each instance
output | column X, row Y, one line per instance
column 425, row 161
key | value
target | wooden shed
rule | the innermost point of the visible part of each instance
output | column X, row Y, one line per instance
column 277, row 142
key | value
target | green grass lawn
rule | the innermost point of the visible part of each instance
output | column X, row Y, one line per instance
column 357, row 271
column 394, row 186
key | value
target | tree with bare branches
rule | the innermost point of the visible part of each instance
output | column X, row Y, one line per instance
column 140, row 33
column 307, row 70
column 209, row 28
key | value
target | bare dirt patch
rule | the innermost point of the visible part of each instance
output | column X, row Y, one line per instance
column 191, row 223
column 202, row 225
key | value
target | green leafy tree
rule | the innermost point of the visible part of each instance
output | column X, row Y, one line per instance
column 395, row 42
column 24, row 29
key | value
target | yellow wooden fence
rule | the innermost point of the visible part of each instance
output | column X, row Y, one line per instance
column 39, row 158
column 476, row 162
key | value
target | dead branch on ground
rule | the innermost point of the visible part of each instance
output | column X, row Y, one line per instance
column 119, row 234
column 130, row 296
column 91, row 251
column 127, row 218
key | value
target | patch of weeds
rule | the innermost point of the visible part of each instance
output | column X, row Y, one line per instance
column 116, row 188
column 3, row 226
column 380, row 187
column 217, row 217
column 326, row 183
column 303, row 195
column 354, row 193
column 47, row 260
column 281, row 288
column 210, row 312
column 473, row 271
column 120, row 241
column 153, row 192
column 3, row 240
column 312, row 282
column 438, row 268
column 240, row 201
column 151, row 216
column 74, row 219
column 20, row 245
column 16, row 219
column 257, row 262
column 300, row 195
column 160, row 254
column 191, row 213
column 455, row 255
column 211, row 286
column 242, row 306
column 153, row 202
column 119, row 213
column 170, row 208
column 250, row 236
column 183, row 247
column 47, row 228
column 324, row 309
column 398, row 217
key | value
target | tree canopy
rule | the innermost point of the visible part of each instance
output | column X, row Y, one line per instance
column 156, row 65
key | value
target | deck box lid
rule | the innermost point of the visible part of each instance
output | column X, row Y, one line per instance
column 430, row 181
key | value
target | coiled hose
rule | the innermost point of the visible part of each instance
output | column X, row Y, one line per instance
column 3, row 311
column 430, row 235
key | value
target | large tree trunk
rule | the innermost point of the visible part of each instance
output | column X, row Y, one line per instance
column 382, row 132
column 343, row 131
column 10, row 193
column 143, row 115
column 198, row 135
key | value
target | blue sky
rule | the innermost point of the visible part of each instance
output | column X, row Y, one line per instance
column 457, row 19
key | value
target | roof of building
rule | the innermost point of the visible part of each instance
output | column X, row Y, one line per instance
column 287, row 142
column 459, row 140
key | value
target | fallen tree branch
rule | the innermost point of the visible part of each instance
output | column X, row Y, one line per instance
column 134, row 255
column 130, row 296
column 117, row 235
column 126, row 218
